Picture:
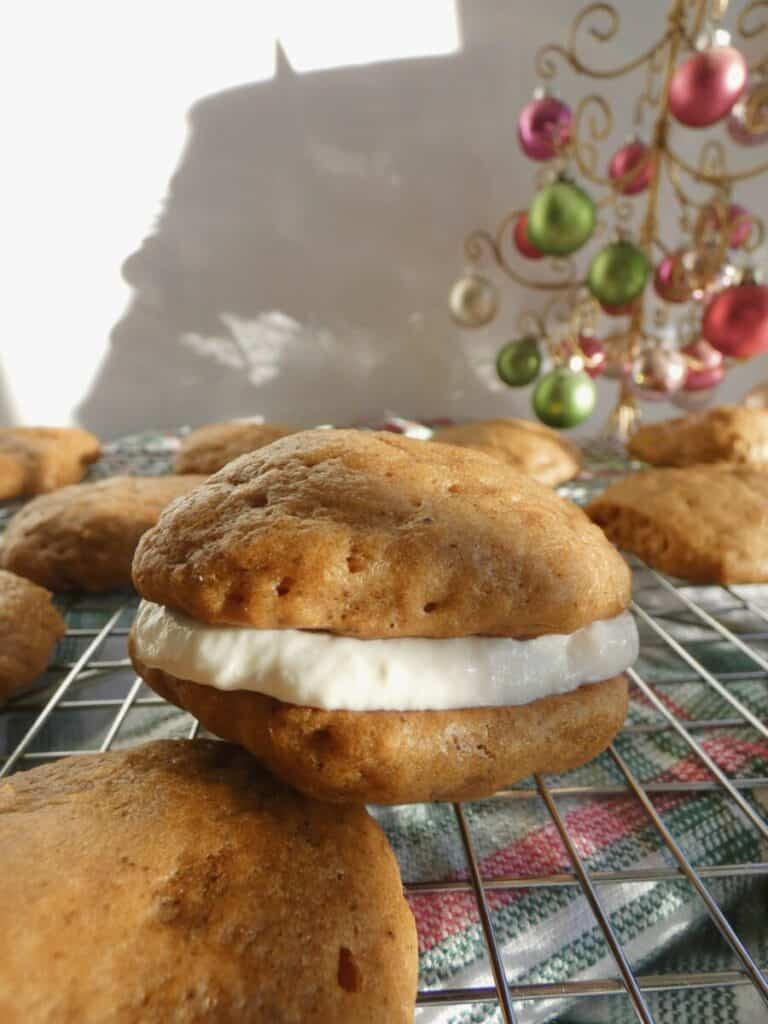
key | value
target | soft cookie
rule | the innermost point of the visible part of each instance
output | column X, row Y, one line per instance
column 34, row 460
column 727, row 433
column 384, row 620
column 708, row 524
column 179, row 882
column 83, row 537
column 29, row 629
column 529, row 447
column 209, row 448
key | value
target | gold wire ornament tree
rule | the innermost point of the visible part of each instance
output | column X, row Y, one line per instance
column 692, row 76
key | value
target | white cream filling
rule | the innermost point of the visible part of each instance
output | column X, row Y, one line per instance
column 336, row 672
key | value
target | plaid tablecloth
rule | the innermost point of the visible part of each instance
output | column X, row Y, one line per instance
column 548, row 934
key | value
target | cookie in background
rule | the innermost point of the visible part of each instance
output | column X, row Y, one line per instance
column 29, row 629
column 706, row 524
column 83, row 537
column 35, row 460
column 727, row 433
column 529, row 447
column 208, row 449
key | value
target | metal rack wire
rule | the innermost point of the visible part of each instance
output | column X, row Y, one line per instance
column 92, row 682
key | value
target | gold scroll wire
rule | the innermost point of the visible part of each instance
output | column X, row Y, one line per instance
column 478, row 241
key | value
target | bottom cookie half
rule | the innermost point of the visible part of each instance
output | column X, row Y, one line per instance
column 393, row 757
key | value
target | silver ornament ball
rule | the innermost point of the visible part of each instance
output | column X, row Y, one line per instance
column 473, row 301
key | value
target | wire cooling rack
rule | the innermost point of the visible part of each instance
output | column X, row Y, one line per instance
column 715, row 640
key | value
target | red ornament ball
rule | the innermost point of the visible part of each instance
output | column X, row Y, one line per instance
column 523, row 243
column 594, row 354
column 637, row 157
column 705, row 368
column 625, row 309
column 736, row 320
column 705, row 87
column 543, row 127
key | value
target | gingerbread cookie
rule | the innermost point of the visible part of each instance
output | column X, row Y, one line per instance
column 83, row 537
column 210, row 448
column 29, row 629
column 380, row 619
column 529, row 447
column 727, row 433
column 34, row 460
column 708, row 524
column 179, row 882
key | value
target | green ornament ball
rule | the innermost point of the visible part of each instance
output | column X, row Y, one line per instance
column 518, row 362
column 564, row 398
column 560, row 219
column 618, row 273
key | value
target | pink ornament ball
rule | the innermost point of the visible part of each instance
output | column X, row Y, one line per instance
column 523, row 244
column 634, row 156
column 543, row 127
column 670, row 280
column 741, row 135
column 705, row 87
column 736, row 321
column 710, row 369
column 739, row 221
column 748, row 121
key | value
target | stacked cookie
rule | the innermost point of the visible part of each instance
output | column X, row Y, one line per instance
column 703, row 516
column 382, row 620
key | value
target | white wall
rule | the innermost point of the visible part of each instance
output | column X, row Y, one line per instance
column 194, row 232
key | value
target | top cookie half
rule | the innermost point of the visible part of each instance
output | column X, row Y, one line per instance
column 376, row 535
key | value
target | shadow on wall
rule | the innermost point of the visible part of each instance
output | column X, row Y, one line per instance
column 306, row 195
